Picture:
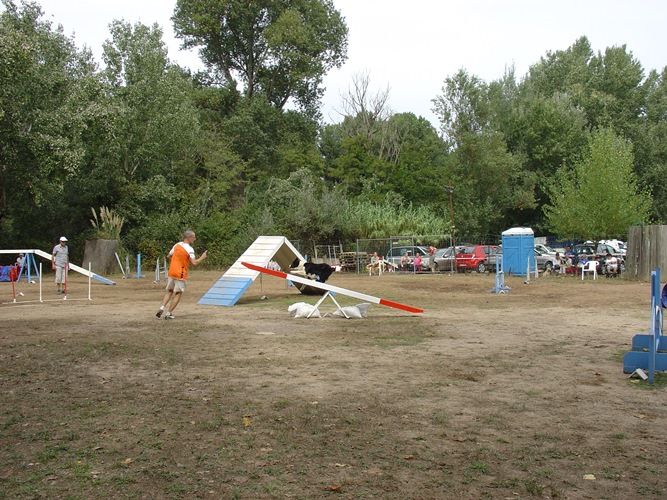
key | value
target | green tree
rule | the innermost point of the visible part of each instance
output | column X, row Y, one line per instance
column 153, row 140
column 46, row 99
column 649, row 137
column 492, row 187
column 599, row 196
column 281, row 48
column 463, row 107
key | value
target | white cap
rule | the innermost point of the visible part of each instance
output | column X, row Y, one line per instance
column 62, row 238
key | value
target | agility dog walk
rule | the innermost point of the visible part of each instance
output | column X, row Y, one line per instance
column 336, row 289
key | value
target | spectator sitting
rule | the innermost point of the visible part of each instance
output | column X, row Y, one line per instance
column 557, row 265
column 611, row 264
column 376, row 262
column 406, row 260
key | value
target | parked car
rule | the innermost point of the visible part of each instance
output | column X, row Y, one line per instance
column 610, row 246
column 543, row 249
column 395, row 253
column 493, row 255
column 476, row 258
column 444, row 260
column 586, row 250
column 613, row 247
column 545, row 261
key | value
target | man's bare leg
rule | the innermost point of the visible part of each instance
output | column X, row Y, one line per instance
column 165, row 301
column 174, row 302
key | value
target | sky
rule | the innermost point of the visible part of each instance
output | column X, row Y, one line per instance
column 412, row 46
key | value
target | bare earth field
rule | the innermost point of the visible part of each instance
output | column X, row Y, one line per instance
column 483, row 396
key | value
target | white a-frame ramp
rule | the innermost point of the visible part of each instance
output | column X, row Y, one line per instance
column 238, row 278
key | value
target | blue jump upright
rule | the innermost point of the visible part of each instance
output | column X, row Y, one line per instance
column 500, row 286
column 649, row 351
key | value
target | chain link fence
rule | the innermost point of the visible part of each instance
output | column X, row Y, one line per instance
column 410, row 254
column 328, row 254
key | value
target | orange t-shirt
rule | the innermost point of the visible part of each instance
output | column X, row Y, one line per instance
column 180, row 254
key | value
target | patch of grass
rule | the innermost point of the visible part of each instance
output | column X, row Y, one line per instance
column 617, row 356
column 391, row 341
column 480, row 467
column 611, row 474
column 43, row 435
column 51, row 452
column 508, row 483
column 10, row 422
column 177, row 488
column 533, row 487
column 659, row 382
column 281, row 404
column 544, row 437
column 545, row 472
column 440, row 418
column 122, row 480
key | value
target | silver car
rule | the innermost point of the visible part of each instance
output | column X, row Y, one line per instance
column 545, row 261
column 443, row 260
column 395, row 253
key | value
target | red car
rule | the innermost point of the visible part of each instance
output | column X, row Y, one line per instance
column 475, row 258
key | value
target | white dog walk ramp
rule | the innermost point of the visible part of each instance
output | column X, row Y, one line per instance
column 335, row 289
column 232, row 285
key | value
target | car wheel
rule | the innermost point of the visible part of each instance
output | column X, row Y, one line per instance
column 548, row 267
column 481, row 268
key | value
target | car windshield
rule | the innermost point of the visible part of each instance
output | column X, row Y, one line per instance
column 443, row 252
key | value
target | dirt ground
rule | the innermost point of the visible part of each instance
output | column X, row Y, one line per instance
column 483, row 396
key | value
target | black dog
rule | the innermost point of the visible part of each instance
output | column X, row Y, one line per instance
column 319, row 272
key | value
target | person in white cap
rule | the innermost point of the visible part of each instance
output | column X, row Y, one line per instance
column 60, row 263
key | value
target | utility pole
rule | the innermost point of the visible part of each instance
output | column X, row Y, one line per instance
column 450, row 190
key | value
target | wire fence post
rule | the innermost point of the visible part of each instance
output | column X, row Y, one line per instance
column 356, row 256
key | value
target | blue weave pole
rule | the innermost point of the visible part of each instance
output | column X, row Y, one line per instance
column 139, row 275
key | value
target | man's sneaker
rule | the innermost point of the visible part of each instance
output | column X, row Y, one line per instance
column 158, row 314
column 169, row 316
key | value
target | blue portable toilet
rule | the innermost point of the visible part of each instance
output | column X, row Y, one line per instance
column 518, row 248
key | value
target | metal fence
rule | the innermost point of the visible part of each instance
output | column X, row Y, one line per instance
column 391, row 249
column 328, row 254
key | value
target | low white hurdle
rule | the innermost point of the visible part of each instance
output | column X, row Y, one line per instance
column 41, row 299
column 159, row 271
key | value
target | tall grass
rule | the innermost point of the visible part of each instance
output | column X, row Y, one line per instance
column 366, row 219
column 108, row 225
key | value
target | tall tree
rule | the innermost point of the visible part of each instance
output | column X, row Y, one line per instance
column 281, row 48
column 491, row 185
column 45, row 100
column 463, row 107
column 599, row 197
column 649, row 136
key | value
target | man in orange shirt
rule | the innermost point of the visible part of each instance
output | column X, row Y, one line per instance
column 182, row 255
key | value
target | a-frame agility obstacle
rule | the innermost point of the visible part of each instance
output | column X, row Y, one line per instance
column 232, row 285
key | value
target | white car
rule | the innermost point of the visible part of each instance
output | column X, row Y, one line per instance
column 544, row 250
column 614, row 247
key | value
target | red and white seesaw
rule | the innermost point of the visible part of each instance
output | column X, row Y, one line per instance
column 335, row 289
